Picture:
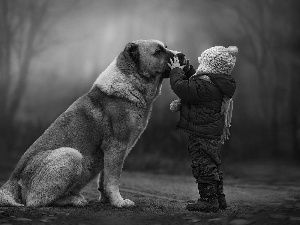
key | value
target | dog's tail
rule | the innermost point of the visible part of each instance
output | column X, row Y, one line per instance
column 10, row 194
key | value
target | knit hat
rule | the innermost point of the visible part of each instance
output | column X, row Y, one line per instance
column 217, row 60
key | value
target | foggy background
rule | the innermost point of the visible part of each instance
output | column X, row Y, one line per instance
column 52, row 51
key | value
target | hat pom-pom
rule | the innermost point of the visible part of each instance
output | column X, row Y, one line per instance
column 233, row 50
column 199, row 59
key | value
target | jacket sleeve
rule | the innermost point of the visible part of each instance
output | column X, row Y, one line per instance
column 190, row 72
column 193, row 90
column 184, row 89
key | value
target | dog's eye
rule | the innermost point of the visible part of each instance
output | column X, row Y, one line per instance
column 157, row 51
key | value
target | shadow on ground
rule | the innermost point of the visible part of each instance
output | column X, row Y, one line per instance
column 256, row 196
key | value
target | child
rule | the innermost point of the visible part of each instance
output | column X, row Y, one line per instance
column 205, row 112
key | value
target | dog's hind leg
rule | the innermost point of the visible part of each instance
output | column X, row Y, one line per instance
column 71, row 200
column 55, row 177
column 10, row 194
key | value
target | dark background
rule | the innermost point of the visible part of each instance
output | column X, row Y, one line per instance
column 52, row 51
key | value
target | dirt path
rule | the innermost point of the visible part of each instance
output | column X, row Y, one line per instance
column 160, row 200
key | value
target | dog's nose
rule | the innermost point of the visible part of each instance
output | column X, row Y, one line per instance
column 181, row 57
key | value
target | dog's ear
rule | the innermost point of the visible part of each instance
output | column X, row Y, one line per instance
column 128, row 60
column 131, row 52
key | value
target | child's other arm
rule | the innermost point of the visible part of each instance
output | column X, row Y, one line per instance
column 193, row 90
column 188, row 70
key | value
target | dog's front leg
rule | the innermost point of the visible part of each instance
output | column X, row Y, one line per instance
column 103, row 198
column 113, row 163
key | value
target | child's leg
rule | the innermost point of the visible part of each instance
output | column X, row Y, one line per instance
column 221, row 195
column 214, row 151
column 205, row 154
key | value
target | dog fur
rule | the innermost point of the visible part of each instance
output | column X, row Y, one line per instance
column 94, row 135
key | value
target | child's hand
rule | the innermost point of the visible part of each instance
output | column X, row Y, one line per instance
column 175, row 63
column 186, row 66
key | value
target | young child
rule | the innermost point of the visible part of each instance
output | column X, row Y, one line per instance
column 205, row 113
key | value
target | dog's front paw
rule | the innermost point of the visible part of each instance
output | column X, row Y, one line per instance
column 124, row 203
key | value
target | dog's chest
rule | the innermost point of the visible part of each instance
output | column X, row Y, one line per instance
column 137, row 119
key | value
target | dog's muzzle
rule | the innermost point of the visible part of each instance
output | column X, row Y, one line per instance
column 181, row 58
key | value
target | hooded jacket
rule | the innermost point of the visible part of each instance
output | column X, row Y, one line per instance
column 201, row 102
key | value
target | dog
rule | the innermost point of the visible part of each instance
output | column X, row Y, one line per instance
column 94, row 135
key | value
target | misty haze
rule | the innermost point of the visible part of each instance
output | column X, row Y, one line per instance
column 51, row 52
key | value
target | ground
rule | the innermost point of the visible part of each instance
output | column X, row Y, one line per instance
column 256, row 194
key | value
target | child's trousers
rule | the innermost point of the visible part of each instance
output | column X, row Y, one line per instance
column 206, row 160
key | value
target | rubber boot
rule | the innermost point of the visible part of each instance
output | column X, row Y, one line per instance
column 208, row 201
column 220, row 193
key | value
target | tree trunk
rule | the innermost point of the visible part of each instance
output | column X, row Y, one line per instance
column 4, row 58
column 294, row 115
column 20, row 87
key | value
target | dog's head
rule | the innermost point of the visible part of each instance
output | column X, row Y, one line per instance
column 148, row 58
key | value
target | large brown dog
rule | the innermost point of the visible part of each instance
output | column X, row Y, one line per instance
column 94, row 135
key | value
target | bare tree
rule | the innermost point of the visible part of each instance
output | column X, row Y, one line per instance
column 266, row 34
column 293, row 112
column 24, row 26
